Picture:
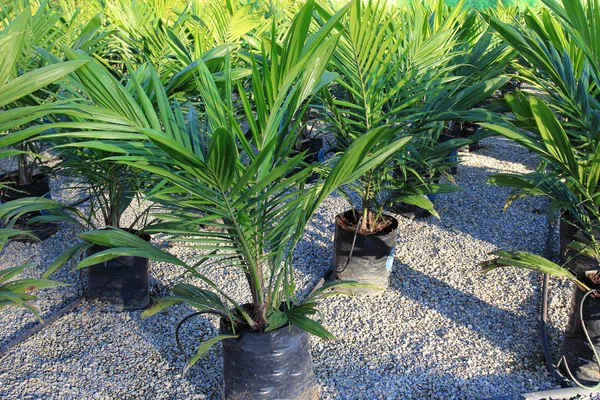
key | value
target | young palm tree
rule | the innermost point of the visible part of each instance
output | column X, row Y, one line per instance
column 564, row 52
column 18, row 89
column 562, row 128
column 214, row 172
column 396, row 76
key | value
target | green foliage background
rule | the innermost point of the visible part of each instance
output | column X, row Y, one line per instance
column 485, row 4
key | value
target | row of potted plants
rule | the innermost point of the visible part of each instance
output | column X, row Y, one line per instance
column 205, row 129
column 559, row 124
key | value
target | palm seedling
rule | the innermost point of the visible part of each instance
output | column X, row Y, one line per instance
column 244, row 182
column 25, row 99
column 19, row 85
column 213, row 24
column 397, row 77
column 31, row 37
column 480, row 56
column 561, row 126
column 563, row 53
column 140, row 33
column 395, row 68
column 107, row 188
column 478, row 61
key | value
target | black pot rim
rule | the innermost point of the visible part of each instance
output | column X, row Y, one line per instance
column 224, row 330
column 393, row 227
column 146, row 236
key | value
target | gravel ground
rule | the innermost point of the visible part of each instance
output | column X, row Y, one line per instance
column 442, row 330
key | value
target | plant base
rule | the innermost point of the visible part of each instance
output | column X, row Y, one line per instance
column 122, row 283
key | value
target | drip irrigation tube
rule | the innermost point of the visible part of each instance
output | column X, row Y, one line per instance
column 357, row 228
column 544, row 314
column 187, row 356
column 329, row 273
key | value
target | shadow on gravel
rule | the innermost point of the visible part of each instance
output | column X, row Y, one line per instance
column 414, row 381
column 26, row 316
column 25, row 320
column 478, row 211
column 464, row 308
column 159, row 331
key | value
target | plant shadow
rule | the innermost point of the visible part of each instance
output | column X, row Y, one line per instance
column 467, row 309
column 413, row 361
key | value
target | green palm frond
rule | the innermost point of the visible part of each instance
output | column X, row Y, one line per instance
column 572, row 183
column 532, row 262
column 16, row 292
column 399, row 71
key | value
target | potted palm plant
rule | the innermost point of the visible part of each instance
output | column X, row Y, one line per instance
column 563, row 47
column 122, row 282
column 107, row 188
column 213, row 172
column 395, row 81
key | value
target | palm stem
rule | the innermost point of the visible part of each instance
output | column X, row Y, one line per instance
column 254, row 272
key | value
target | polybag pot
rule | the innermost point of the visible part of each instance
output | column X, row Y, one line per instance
column 122, row 283
column 369, row 261
column 567, row 231
column 268, row 365
column 576, row 349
